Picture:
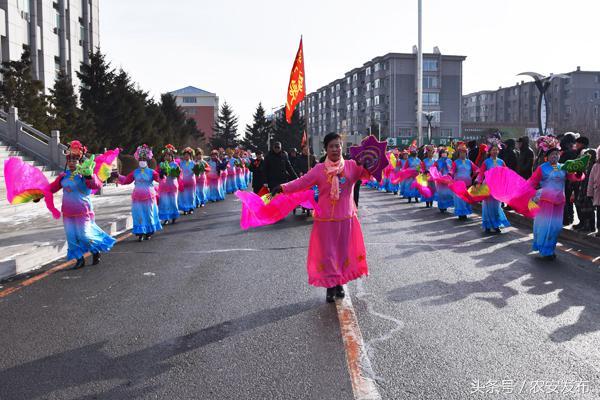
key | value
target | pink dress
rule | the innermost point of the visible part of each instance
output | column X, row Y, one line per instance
column 336, row 251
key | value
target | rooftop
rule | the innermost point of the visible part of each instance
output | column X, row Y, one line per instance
column 191, row 91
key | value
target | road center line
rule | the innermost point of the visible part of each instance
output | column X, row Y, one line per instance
column 364, row 388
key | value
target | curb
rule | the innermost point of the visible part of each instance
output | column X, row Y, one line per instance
column 46, row 254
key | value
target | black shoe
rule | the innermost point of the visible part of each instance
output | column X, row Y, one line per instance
column 550, row 257
column 443, row 210
column 409, row 200
column 488, row 230
column 173, row 221
column 339, row 292
column 166, row 222
column 416, row 199
column 96, row 259
column 497, row 230
column 140, row 238
column 80, row 263
column 329, row 297
column 462, row 218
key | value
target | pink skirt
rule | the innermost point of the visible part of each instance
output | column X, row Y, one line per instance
column 336, row 253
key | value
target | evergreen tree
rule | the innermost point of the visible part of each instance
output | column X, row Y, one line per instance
column 64, row 111
column 257, row 134
column 290, row 135
column 226, row 134
column 19, row 89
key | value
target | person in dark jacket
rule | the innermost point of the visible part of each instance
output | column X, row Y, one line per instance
column 525, row 159
column 301, row 165
column 567, row 145
column 581, row 144
column 473, row 150
column 509, row 155
column 256, row 166
column 277, row 167
column 584, row 204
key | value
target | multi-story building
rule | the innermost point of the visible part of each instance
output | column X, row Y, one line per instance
column 200, row 105
column 381, row 98
column 572, row 105
column 60, row 34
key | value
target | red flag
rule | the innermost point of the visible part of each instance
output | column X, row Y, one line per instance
column 303, row 140
column 296, row 88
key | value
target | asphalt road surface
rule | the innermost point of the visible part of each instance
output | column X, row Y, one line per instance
column 207, row 311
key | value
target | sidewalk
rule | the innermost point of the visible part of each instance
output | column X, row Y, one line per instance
column 31, row 238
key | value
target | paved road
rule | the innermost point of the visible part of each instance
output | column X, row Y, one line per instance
column 206, row 311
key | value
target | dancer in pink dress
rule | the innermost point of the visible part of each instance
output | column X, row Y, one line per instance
column 336, row 252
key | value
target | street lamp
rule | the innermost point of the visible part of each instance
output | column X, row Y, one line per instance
column 543, row 83
column 430, row 115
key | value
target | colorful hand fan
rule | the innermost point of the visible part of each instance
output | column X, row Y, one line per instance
column 439, row 178
column 25, row 183
column 473, row 195
column 393, row 160
column 371, row 154
column 578, row 165
column 479, row 192
column 421, row 183
column 259, row 211
column 402, row 175
column 104, row 164
column 263, row 190
column 509, row 187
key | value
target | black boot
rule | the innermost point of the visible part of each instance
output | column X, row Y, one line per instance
column 173, row 221
column 409, row 200
column 330, row 294
column 339, row 292
column 140, row 238
column 497, row 230
column 96, row 258
column 80, row 263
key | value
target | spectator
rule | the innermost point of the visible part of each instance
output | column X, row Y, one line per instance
column 473, row 150
column 584, row 204
column 581, row 144
column 256, row 166
column 293, row 156
column 509, row 155
column 593, row 188
column 301, row 166
column 525, row 158
column 277, row 167
column 567, row 145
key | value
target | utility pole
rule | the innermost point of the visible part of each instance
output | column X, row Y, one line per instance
column 420, row 78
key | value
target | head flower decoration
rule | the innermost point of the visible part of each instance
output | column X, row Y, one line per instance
column 494, row 142
column 143, row 151
column 548, row 143
column 169, row 149
column 76, row 149
column 189, row 151
column 461, row 146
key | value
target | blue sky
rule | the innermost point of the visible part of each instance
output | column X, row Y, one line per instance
column 243, row 50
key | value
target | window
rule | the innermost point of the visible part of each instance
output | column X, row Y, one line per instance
column 429, row 64
column 348, row 108
column 337, row 99
column 190, row 111
column 377, row 83
column 368, row 86
column 332, row 101
column 347, row 94
column 348, row 80
column 368, row 103
column 597, row 78
column 596, row 95
column 377, row 116
column 332, row 90
column 355, row 77
column 431, row 82
column 355, row 92
column 368, row 71
column 337, row 87
column 355, row 106
column 377, row 67
column 431, row 99
column 319, row 95
column 376, row 100
column 188, row 100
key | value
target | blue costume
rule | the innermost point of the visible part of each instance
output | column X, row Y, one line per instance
column 415, row 164
column 167, row 204
column 428, row 163
column 463, row 172
column 492, row 216
column 143, row 206
column 187, row 197
column 445, row 197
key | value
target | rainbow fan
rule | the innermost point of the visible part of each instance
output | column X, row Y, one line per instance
column 509, row 187
column 439, row 178
column 421, row 183
column 25, row 183
column 104, row 163
column 479, row 192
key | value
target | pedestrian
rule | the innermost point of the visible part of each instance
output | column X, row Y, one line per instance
column 187, row 184
column 569, row 152
column 509, row 154
column 216, row 189
column 77, row 183
column 581, row 144
column 548, row 221
column 593, row 188
column 168, row 188
column 492, row 215
column 426, row 165
column 143, row 198
column 463, row 170
column 256, row 166
column 200, row 170
column 293, row 157
column 583, row 204
column 444, row 196
column 336, row 253
column 304, row 162
column 472, row 150
column 415, row 164
column 526, row 157
column 278, row 169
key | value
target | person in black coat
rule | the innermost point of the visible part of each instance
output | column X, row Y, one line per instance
column 509, row 155
column 277, row 167
column 525, row 159
column 567, row 145
column 301, row 163
column 473, row 150
column 259, row 180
